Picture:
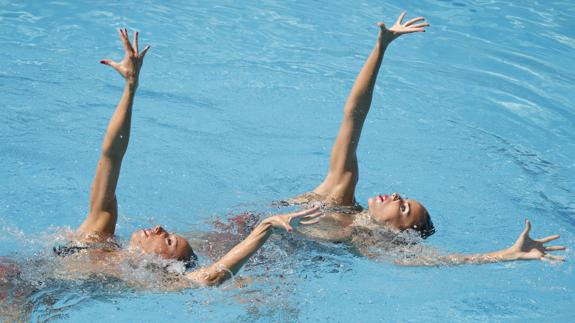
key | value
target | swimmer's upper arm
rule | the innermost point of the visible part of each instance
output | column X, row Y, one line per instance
column 103, row 212
column 343, row 174
column 339, row 184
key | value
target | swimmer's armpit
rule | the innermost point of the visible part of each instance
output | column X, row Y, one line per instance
column 525, row 248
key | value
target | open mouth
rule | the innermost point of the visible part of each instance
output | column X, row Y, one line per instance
column 147, row 232
column 382, row 198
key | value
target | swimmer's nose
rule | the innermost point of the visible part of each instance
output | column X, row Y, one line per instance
column 395, row 197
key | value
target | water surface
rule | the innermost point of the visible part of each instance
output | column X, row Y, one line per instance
column 238, row 106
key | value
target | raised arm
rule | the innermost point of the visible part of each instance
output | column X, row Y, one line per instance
column 342, row 177
column 524, row 248
column 102, row 215
column 231, row 263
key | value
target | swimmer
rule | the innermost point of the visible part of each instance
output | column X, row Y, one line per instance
column 392, row 212
column 99, row 226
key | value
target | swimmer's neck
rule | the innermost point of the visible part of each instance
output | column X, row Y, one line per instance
column 342, row 219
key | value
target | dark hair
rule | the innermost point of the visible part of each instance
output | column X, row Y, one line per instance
column 427, row 228
column 190, row 260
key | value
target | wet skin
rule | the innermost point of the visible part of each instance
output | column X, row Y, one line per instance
column 159, row 241
column 396, row 212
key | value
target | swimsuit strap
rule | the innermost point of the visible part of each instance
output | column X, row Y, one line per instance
column 69, row 248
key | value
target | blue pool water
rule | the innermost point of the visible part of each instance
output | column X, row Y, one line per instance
column 238, row 106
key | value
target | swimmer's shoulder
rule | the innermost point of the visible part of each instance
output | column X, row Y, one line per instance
column 81, row 242
column 308, row 198
column 302, row 199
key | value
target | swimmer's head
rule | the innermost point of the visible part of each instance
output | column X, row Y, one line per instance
column 400, row 214
column 163, row 243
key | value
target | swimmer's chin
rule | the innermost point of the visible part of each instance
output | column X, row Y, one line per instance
column 135, row 243
column 134, row 249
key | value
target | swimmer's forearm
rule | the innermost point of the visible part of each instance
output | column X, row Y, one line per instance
column 458, row 259
column 359, row 100
column 240, row 254
column 118, row 133
column 491, row 257
column 232, row 262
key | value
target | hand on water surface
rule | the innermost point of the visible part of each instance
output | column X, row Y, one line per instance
column 386, row 35
column 526, row 248
column 130, row 65
column 290, row 220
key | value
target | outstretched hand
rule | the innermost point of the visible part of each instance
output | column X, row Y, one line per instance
column 130, row 65
column 386, row 35
column 290, row 220
column 526, row 248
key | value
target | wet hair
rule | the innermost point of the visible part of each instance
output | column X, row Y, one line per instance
column 172, row 265
column 427, row 228
column 189, row 260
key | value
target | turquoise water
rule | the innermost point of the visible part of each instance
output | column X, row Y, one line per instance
column 238, row 106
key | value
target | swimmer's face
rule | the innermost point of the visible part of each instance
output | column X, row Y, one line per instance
column 161, row 242
column 397, row 213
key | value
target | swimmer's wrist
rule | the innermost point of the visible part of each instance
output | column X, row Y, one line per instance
column 381, row 45
column 269, row 222
column 273, row 223
column 132, row 83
